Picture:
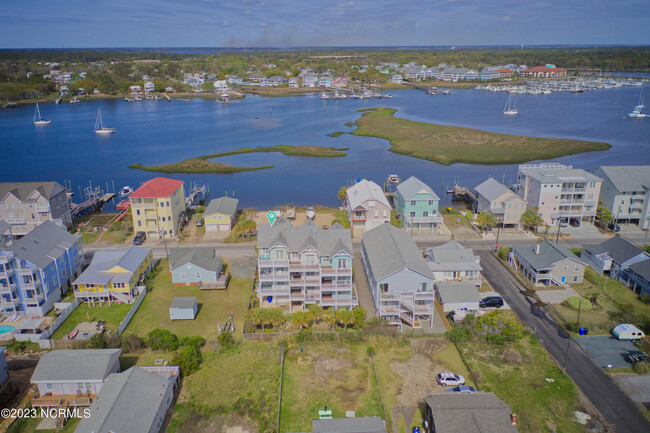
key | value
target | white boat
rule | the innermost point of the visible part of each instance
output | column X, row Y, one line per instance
column 640, row 105
column 99, row 125
column 126, row 191
column 509, row 109
column 310, row 213
column 324, row 96
column 637, row 114
column 446, row 92
column 38, row 120
column 393, row 178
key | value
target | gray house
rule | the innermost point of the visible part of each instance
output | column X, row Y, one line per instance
column 478, row 412
column 370, row 424
column 198, row 266
column 136, row 400
column 495, row 198
column 64, row 373
column 623, row 261
column 547, row 264
column 457, row 295
column 400, row 281
column 452, row 261
column 183, row 308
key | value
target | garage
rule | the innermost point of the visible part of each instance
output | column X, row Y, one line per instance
column 183, row 308
column 457, row 296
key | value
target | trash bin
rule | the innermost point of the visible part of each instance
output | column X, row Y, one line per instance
column 582, row 331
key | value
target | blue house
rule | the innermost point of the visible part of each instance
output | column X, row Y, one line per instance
column 417, row 206
column 198, row 266
column 37, row 269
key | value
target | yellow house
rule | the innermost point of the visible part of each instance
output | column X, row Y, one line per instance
column 157, row 206
column 113, row 275
column 220, row 214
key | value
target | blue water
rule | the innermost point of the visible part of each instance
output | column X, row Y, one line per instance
column 160, row 132
column 6, row 328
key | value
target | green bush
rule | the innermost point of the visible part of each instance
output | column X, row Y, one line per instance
column 458, row 334
column 162, row 339
column 574, row 303
column 503, row 253
column 640, row 368
column 103, row 341
column 132, row 343
column 195, row 341
column 188, row 359
column 226, row 340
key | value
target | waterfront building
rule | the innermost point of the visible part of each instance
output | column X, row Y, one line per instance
column 293, row 82
column 547, row 264
column 37, row 269
column 626, row 192
column 496, row 198
column 543, row 72
column 113, row 275
column 488, row 74
column 396, row 79
column 304, row 265
column 560, row 192
column 220, row 214
column 366, row 205
column 157, row 207
column 400, row 281
column 149, row 87
column 417, row 206
column 25, row 205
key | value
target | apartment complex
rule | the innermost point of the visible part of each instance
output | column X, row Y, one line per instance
column 157, row 207
column 400, row 281
column 36, row 270
column 626, row 192
column 495, row 198
column 303, row 265
column 25, row 205
column 559, row 191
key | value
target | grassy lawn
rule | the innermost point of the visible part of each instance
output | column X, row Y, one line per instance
column 215, row 306
column 342, row 218
column 452, row 144
column 454, row 221
column 605, row 314
column 113, row 315
column 541, row 406
column 28, row 425
column 332, row 374
column 243, row 381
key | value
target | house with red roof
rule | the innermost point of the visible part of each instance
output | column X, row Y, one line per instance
column 157, row 207
column 543, row 72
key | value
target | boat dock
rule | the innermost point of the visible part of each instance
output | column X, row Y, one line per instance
column 460, row 192
column 94, row 199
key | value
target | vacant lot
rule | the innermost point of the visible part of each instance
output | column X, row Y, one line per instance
column 111, row 314
column 452, row 144
column 215, row 306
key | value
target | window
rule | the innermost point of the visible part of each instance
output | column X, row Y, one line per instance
column 413, row 202
column 139, row 223
column 577, row 268
column 412, row 214
column 49, row 386
column 385, row 213
column 575, row 279
column 383, row 287
column 137, row 211
column 424, row 287
column 197, row 275
column 376, row 214
column 430, row 202
column 167, row 203
column 341, row 264
column 371, row 203
column 425, row 213
column 566, row 267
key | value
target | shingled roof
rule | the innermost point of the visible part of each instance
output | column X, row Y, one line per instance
column 298, row 238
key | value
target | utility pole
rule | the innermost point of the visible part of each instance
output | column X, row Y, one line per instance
column 559, row 226
column 499, row 224
column 566, row 355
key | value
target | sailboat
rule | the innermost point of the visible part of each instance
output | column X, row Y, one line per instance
column 99, row 125
column 640, row 105
column 38, row 121
column 509, row 109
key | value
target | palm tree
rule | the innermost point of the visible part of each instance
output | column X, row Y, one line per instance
column 531, row 219
column 486, row 221
column 343, row 193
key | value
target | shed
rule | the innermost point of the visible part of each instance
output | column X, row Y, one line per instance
column 183, row 308
column 626, row 331
column 457, row 295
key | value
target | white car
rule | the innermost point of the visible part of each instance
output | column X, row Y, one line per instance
column 451, row 379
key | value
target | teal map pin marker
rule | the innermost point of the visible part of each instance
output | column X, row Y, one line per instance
column 271, row 216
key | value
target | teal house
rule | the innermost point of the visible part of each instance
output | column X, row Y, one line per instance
column 417, row 206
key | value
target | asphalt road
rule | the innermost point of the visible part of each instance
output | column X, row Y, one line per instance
column 615, row 406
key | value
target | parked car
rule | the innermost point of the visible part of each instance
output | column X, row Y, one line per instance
column 463, row 388
column 200, row 222
column 614, row 227
column 563, row 222
column 491, row 302
column 139, row 238
column 574, row 223
column 635, row 356
column 448, row 378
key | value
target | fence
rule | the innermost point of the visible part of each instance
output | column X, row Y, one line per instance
column 133, row 310
column 59, row 320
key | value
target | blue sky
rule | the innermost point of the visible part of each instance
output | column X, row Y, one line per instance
column 313, row 23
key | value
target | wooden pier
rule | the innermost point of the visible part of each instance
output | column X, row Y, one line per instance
column 460, row 192
column 94, row 201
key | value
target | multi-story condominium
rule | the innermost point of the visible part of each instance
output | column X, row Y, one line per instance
column 454, row 262
column 496, row 198
column 113, row 275
column 157, row 207
column 396, row 79
column 303, row 265
column 367, row 205
column 559, row 191
column 547, row 264
column 626, row 192
column 36, row 270
column 400, row 281
column 417, row 205
column 25, row 205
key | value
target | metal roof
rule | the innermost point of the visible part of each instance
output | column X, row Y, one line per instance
column 128, row 259
column 626, row 178
column 298, row 238
column 223, row 205
column 457, row 291
column 413, row 186
column 76, row 365
column 128, row 402
column 478, row 412
column 43, row 244
column 203, row 257
column 390, row 249
column 364, row 191
column 549, row 254
column 618, row 248
column 372, row 424
column 183, row 302
column 22, row 190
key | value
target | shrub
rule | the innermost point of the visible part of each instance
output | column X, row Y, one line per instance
column 640, row 368
column 188, row 359
column 195, row 341
column 458, row 334
column 103, row 341
column 511, row 356
column 469, row 319
column 574, row 302
column 162, row 339
column 226, row 340
column 132, row 343
column 503, row 253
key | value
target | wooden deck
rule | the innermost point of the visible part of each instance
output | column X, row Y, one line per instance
column 63, row 400
column 221, row 284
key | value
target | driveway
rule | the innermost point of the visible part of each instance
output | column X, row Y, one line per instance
column 363, row 290
column 612, row 403
column 636, row 387
column 605, row 350
column 555, row 296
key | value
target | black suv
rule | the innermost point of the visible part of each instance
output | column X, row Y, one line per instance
column 491, row 302
column 139, row 238
column 635, row 356
column 614, row 227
